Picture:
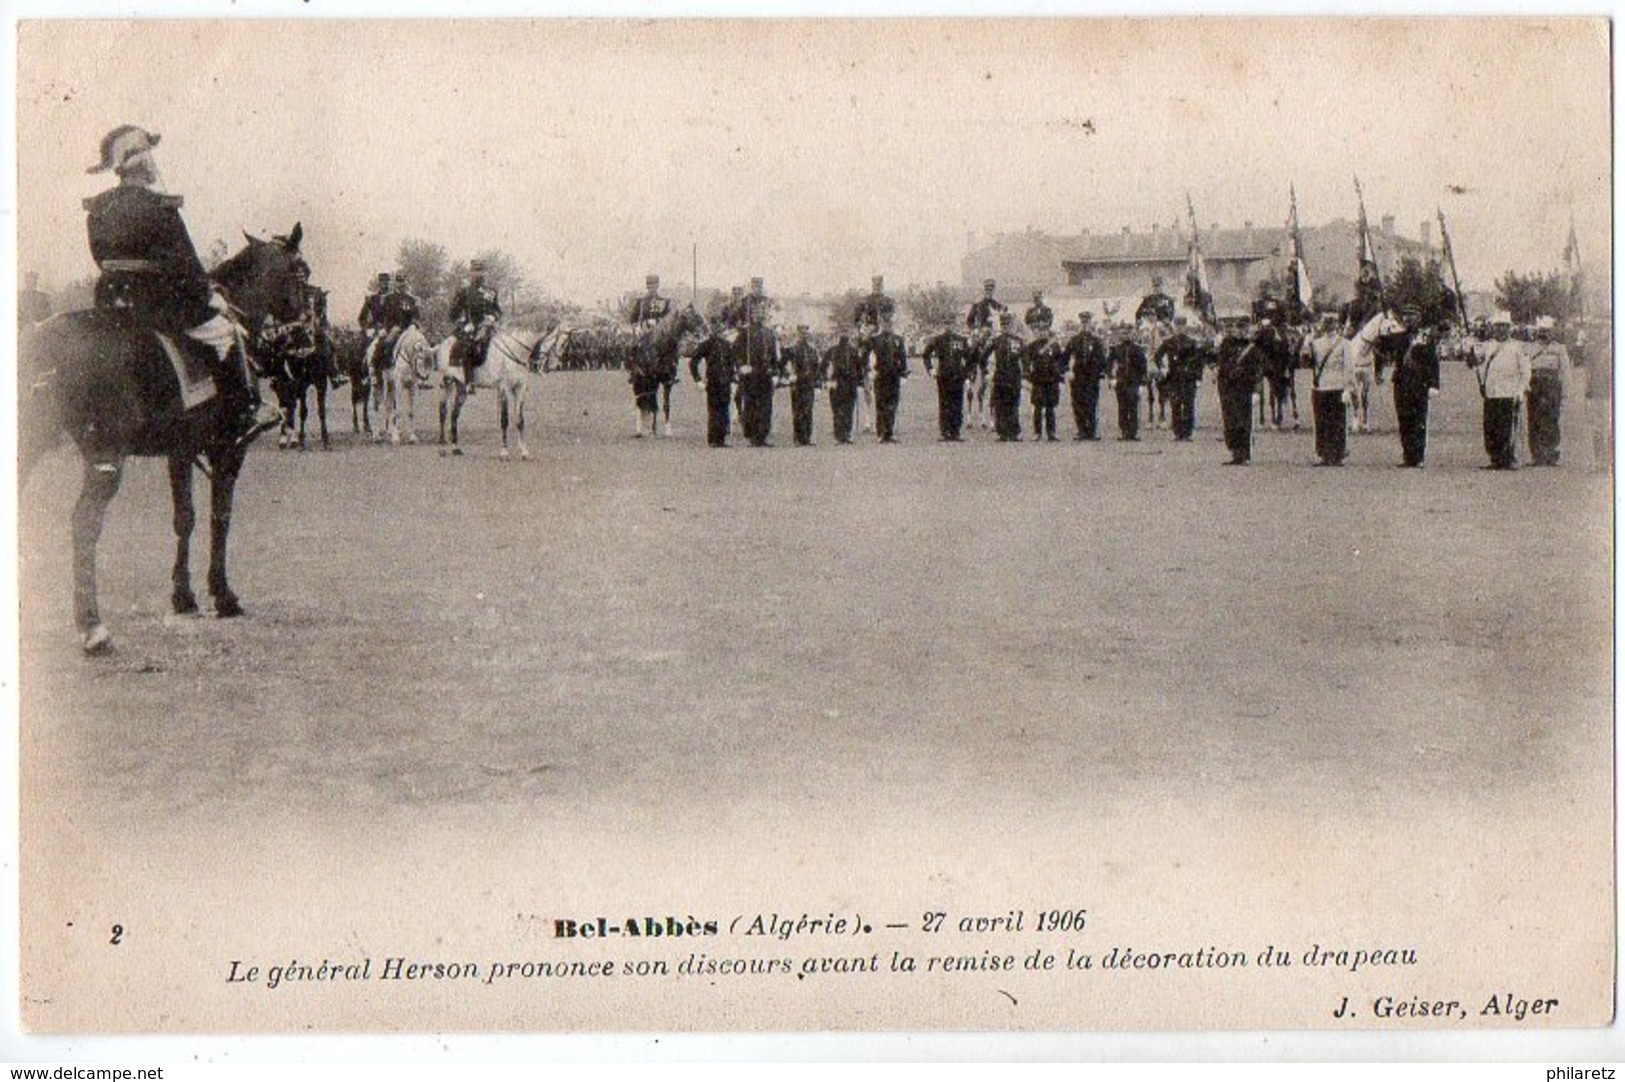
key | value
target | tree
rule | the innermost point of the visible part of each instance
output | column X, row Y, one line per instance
column 1527, row 297
column 933, row 306
column 843, row 314
column 1420, row 286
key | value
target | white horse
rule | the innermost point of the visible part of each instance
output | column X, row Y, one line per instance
column 411, row 361
column 512, row 356
column 1365, row 371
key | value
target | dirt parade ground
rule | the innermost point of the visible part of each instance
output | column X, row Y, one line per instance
column 1273, row 700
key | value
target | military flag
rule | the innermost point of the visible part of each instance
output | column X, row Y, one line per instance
column 1300, row 291
column 1198, row 290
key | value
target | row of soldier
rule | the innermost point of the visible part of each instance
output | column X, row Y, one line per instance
column 390, row 309
column 1160, row 353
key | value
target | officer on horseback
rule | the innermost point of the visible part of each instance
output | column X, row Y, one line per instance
column 474, row 313
column 873, row 311
column 399, row 308
column 984, row 316
column 651, row 307
column 150, row 271
column 1156, row 305
column 1039, row 317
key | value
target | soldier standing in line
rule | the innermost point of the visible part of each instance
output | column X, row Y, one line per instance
column 806, row 369
column 757, row 355
column 890, row 354
column 1239, row 371
column 474, row 313
column 717, row 354
column 1088, row 356
column 732, row 319
column 846, row 365
column 1550, row 372
column 1329, row 365
column 1503, row 379
column 1003, row 354
column 1416, row 379
column 1180, row 356
column 1045, row 362
column 947, row 357
column 1129, row 370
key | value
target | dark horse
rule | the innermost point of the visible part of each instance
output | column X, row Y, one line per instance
column 298, row 357
column 652, row 366
column 112, row 390
column 350, row 363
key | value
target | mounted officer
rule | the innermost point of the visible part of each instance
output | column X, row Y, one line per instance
column 984, row 317
column 874, row 311
column 1156, row 305
column 373, row 324
column 1039, row 317
column 651, row 307
column 151, row 276
column 474, row 313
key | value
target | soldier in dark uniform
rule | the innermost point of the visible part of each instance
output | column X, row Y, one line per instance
column 947, row 357
column 874, row 311
column 756, row 353
column 1038, row 317
column 717, row 354
column 400, row 309
column 1088, row 356
column 806, row 368
column 1128, row 370
column 150, row 272
column 33, row 303
column 1550, row 369
column 651, row 307
column 890, row 355
column 1239, row 371
column 1045, row 362
column 474, row 313
column 1180, row 356
column 1276, row 363
column 986, row 315
column 1156, row 305
column 1416, row 379
column 847, row 365
column 1003, row 353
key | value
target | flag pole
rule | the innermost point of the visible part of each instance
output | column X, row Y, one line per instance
column 1455, row 278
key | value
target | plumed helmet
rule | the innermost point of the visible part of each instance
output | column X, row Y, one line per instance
column 122, row 144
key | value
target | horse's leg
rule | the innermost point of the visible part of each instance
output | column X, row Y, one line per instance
column 460, row 396
column 504, row 414
column 321, row 409
column 96, row 491
column 181, row 598
column 519, row 422
column 224, row 466
column 304, row 414
column 665, row 404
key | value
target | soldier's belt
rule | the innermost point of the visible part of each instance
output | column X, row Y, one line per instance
column 129, row 266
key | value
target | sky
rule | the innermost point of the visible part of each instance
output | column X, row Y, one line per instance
column 813, row 153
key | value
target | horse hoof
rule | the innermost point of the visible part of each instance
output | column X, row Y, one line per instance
column 184, row 602
column 412, row 439
column 524, row 456
column 98, row 640
column 227, row 606
column 444, row 452
column 456, row 450
column 503, row 455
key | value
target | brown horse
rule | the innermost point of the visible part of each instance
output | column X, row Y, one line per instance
column 112, row 389
column 652, row 367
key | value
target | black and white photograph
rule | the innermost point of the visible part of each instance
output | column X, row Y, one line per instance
column 793, row 525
